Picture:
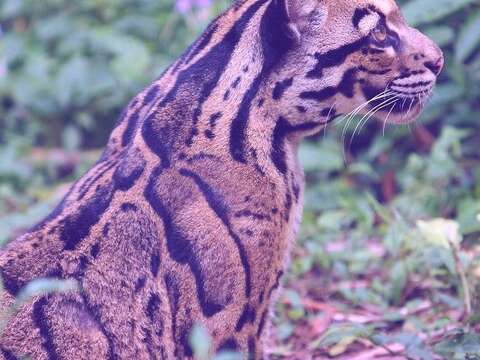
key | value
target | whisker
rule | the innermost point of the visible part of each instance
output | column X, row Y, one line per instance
column 368, row 116
column 388, row 115
column 410, row 107
column 393, row 103
column 359, row 108
column 349, row 117
column 353, row 113
column 328, row 117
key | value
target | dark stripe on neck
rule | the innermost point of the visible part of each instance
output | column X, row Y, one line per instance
column 41, row 322
column 173, row 293
column 228, row 345
column 129, row 130
column 196, row 47
column 179, row 246
column 7, row 354
column 95, row 312
column 282, row 130
column 203, row 76
column 159, row 140
column 261, row 324
column 89, row 182
column 217, row 205
column 151, row 95
column 276, row 40
column 12, row 284
column 133, row 103
column 77, row 226
column 248, row 316
column 55, row 213
column 204, row 41
column 281, row 87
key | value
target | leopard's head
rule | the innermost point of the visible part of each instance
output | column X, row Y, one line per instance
column 358, row 56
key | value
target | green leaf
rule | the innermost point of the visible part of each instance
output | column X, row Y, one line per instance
column 440, row 232
column 326, row 156
column 334, row 220
column 71, row 138
column 468, row 211
column 294, row 298
column 427, row 11
column 398, row 278
column 337, row 334
column 442, row 35
column 131, row 57
column 445, row 94
column 72, row 81
column 469, row 39
column 380, row 210
column 132, row 62
column 11, row 8
column 460, row 346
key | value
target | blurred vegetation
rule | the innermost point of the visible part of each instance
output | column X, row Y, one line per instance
column 390, row 238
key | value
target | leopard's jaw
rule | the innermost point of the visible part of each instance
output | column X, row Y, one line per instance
column 189, row 215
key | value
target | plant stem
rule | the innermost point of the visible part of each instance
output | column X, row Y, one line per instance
column 467, row 298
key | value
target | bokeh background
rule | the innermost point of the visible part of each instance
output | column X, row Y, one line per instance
column 387, row 263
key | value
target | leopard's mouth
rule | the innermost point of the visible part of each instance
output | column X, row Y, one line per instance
column 400, row 103
column 400, row 109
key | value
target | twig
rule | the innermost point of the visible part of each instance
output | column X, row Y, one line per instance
column 390, row 351
column 467, row 298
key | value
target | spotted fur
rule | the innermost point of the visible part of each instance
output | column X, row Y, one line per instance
column 189, row 215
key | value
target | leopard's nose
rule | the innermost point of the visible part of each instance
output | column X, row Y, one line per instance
column 435, row 66
column 423, row 53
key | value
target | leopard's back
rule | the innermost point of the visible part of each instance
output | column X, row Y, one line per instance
column 151, row 268
column 156, row 234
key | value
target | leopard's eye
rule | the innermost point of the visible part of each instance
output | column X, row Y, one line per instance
column 380, row 33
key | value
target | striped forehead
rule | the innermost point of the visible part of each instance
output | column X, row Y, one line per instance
column 391, row 12
column 368, row 22
column 385, row 6
column 368, row 15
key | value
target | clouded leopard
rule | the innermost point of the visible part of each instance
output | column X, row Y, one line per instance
column 189, row 214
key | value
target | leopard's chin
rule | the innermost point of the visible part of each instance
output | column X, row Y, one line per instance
column 404, row 113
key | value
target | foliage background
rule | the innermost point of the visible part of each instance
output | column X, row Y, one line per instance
column 374, row 271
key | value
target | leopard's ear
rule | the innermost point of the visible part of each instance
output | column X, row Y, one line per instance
column 304, row 13
column 286, row 21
